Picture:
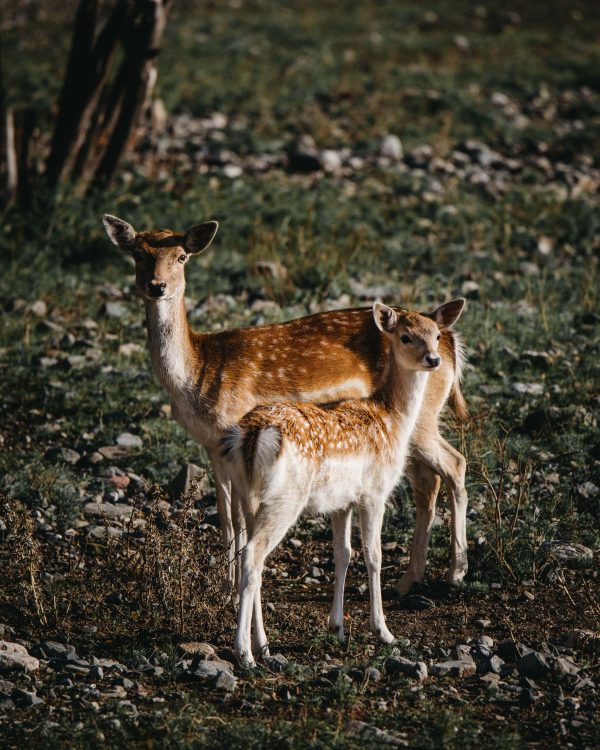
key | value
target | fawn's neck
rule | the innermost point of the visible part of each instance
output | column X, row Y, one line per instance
column 169, row 338
column 403, row 393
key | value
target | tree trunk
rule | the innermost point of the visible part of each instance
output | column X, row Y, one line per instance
column 96, row 117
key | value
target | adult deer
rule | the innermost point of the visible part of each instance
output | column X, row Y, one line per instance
column 213, row 379
column 331, row 459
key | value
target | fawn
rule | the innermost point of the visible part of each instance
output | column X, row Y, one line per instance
column 213, row 379
column 331, row 458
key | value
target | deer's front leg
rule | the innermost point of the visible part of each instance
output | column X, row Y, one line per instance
column 223, row 491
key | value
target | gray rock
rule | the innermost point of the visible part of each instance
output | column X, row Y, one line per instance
column 276, row 663
column 331, row 161
column 533, row 665
column 14, row 658
column 406, row 667
column 372, row 674
column 226, row 681
column 26, row 698
column 68, row 455
column 197, row 649
column 528, row 389
column 569, row 555
column 55, row 650
column 114, row 309
column 108, row 510
column 391, row 147
column 492, row 665
column 96, row 673
column 6, row 687
column 39, row 308
column 454, row 668
column 373, row 735
column 509, row 650
column 562, row 666
column 189, row 477
column 127, row 440
column 112, row 452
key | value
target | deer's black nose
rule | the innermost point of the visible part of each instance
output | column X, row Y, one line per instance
column 155, row 288
column 432, row 360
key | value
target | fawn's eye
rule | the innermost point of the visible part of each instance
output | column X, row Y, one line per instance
column 405, row 338
column 439, row 336
column 182, row 258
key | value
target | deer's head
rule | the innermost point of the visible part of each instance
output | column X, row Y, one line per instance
column 159, row 256
column 415, row 336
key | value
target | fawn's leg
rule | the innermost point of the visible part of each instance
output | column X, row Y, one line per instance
column 223, row 492
column 425, row 485
column 451, row 465
column 239, row 531
column 371, row 520
column 341, row 524
column 265, row 531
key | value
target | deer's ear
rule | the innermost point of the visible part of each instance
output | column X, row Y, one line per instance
column 448, row 313
column 385, row 318
column 198, row 238
column 120, row 232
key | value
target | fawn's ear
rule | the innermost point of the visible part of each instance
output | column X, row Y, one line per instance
column 385, row 318
column 198, row 238
column 120, row 232
column 448, row 313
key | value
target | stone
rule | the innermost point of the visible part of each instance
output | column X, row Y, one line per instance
column 197, row 648
column 562, row 666
column 533, row 665
column 276, row 663
column 114, row 309
column 331, row 161
column 454, row 668
column 391, row 147
column 373, row 736
column 584, row 640
column 120, row 482
column 39, row 308
column 68, row 455
column 112, row 452
column 372, row 674
column 569, row 554
column 55, row 650
column 406, row 667
column 14, row 657
column 130, row 349
column 528, row 389
column 509, row 650
column 26, row 698
column 226, row 681
column 96, row 673
column 127, row 440
column 190, row 478
column 108, row 510
column 232, row 171
column 494, row 665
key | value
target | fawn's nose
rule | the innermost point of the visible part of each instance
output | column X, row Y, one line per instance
column 156, row 288
column 433, row 360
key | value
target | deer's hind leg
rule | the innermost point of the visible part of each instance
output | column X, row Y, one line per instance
column 438, row 457
column 425, row 484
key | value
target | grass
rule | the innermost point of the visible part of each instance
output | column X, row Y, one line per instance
column 346, row 74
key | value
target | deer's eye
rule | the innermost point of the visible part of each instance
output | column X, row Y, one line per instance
column 439, row 336
column 405, row 338
column 182, row 258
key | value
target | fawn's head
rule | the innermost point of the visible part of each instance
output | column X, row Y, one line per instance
column 159, row 256
column 415, row 336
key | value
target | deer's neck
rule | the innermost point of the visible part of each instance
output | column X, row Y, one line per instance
column 403, row 394
column 169, row 338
